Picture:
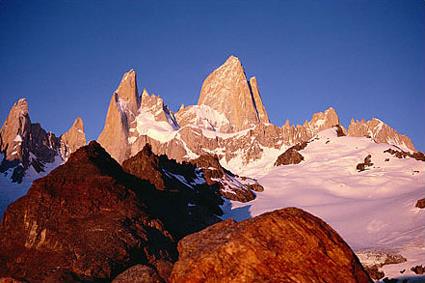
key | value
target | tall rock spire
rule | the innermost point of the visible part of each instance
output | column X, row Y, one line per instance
column 227, row 91
column 73, row 139
column 15, row 130
column 121, row 115
column 262, row 113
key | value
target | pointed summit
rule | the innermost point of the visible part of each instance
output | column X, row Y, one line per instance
column 262, row 113
column 121, row 115
column 228, row 91
column 73, row 139
column 15, row 130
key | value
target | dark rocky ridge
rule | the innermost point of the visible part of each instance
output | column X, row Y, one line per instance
column 87, row 220
column 287, row 245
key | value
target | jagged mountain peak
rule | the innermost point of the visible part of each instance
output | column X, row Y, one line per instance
column 380, row 132
column 228, row 91
column 73, row 139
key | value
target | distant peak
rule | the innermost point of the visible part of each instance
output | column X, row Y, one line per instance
column 21, row 105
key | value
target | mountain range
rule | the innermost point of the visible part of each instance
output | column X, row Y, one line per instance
column 222, row 158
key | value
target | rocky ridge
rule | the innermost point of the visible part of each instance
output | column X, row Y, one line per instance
column 229, row 121
column 26, row 145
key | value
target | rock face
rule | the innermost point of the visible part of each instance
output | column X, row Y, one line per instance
column 25, row 144
column 87, row 219
column 73, row 139
column 380, row 133
column 420, row 203
column 121, row 116
column 190, row 204
column 230, row 186
column 228, row 91
column 291, row 155
column 366, row 163
column 139, row 274
column 229, row 121
column 287, row 245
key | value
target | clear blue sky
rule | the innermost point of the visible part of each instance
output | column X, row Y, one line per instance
column 364, row 58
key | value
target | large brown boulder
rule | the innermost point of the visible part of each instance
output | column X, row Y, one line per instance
column 287, row 245
column 291, row 155
column 86, row 220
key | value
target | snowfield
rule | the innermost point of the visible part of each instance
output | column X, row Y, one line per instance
column 372, row 210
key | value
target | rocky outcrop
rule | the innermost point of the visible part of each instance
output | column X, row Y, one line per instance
column 261, row 110
column 88, row 220
column 190, row 203
column 25, row 144
column 228, row 91
column 120, row 117
column 291, row 155
column 287, row 245
column 230, row 186
column 366, row 163
column 420, row 203
column 404, row 154
column 380, row 133
column 139, row 274
column 72, row 139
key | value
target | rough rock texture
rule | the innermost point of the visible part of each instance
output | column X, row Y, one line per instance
column 262, row 113
column 287, row 245
column 87, row 219
column 190, row 204
column 73, row 139
column 404, row 154
column 420, row 203
column 366, row 163
column 121, row 116
column 25, row 144
column 291, row 155
column 380, row 133
column 231, row 186
column 227, row 90
column 139, row 274
column 418, row 269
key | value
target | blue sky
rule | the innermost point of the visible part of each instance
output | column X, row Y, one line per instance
column 364, row 58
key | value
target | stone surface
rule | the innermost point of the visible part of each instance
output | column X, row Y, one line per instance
column 366, row 163
column 380, row 133
column 227, row 90
column 287, row 245
column 120, row 117
column 420, row 203
column 139, row 274
column 87, row 219
column 25, row 144
column 73, row 139
column 291, row 155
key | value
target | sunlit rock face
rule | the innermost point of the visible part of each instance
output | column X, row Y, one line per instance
column 380, row 133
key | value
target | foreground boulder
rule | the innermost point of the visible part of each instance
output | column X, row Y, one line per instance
column 87, row 220
column 287, row 245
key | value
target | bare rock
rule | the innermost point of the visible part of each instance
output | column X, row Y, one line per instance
column 139, row 274
column 418, row 269
column 366, row 163
column 379, row 132
column 73, row 139
column 88, row 219
column 287, row 245
column 420, row 203
column 120, row 117
column 291, row 155
column 227, row 90
column 374, row 272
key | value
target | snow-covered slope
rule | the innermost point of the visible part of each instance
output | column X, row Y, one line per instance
column 372, row 209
